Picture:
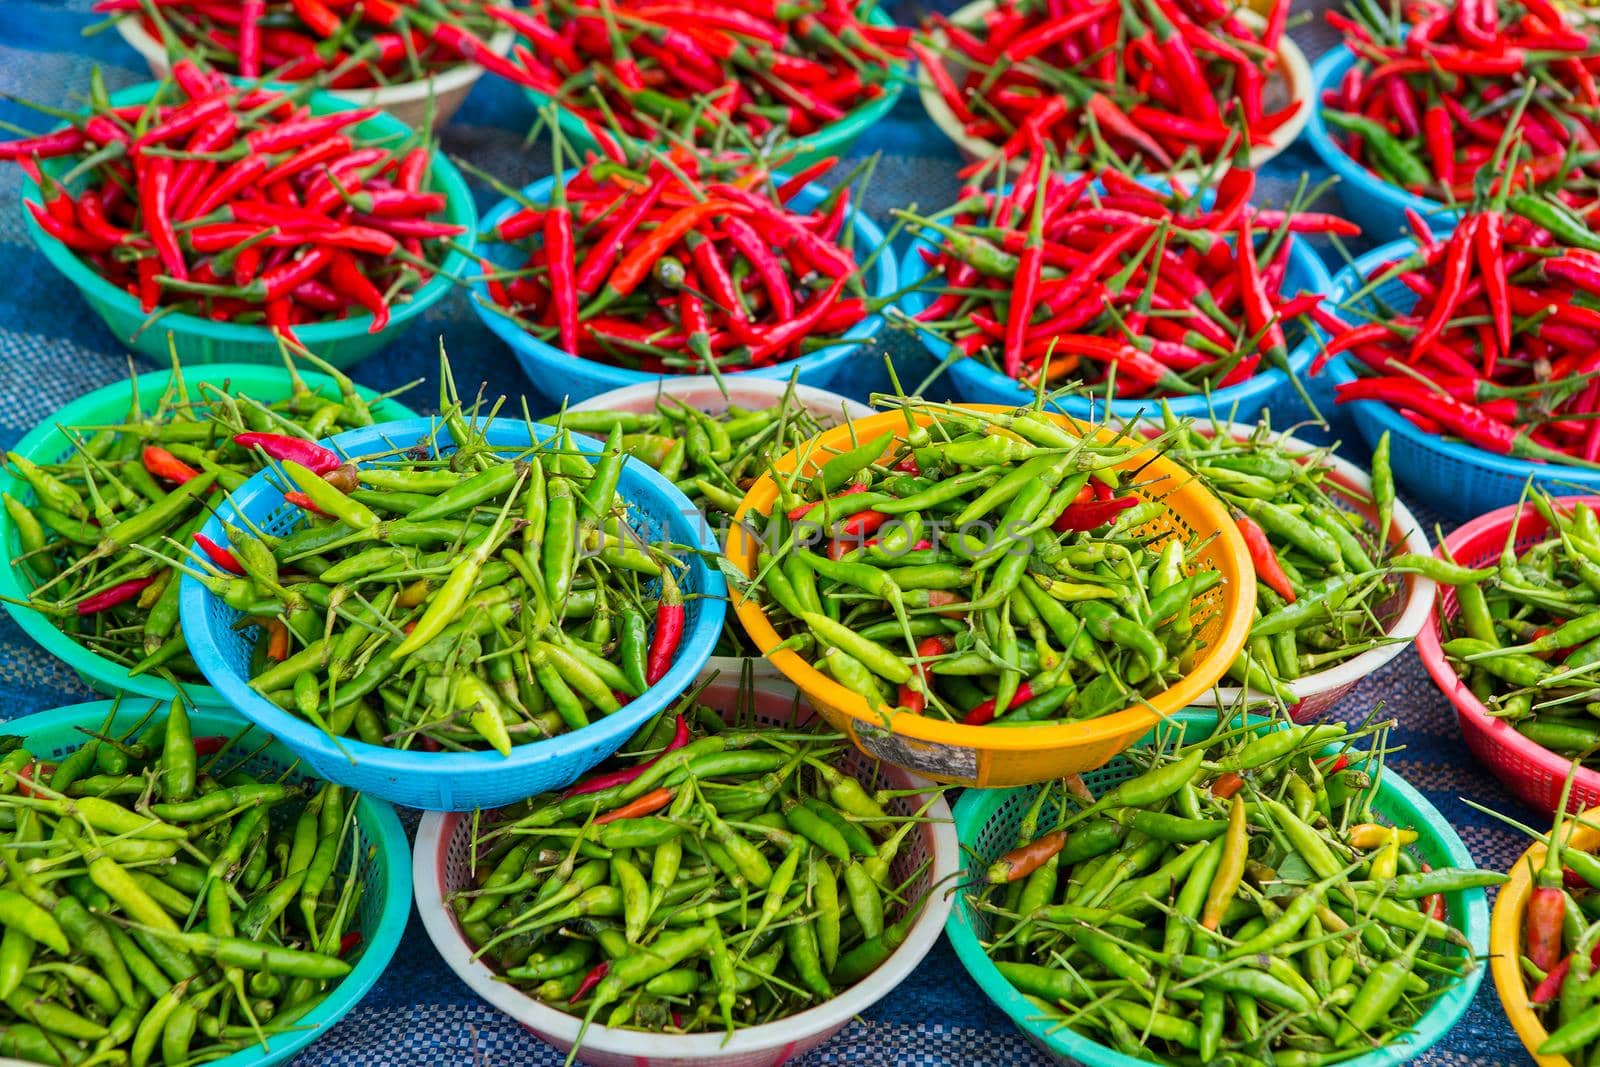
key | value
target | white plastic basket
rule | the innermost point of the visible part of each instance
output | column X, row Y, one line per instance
column 407, row 101
column 1407, row 609
column 1291, row 81
column 439, row 867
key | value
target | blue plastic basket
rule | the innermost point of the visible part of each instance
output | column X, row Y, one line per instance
column 978, row 383
column 556, row 374
column 199, row 340
column 1375, row 205
column 986, row 824
column 458, row 781
column 1449, row 476
column 385, row 902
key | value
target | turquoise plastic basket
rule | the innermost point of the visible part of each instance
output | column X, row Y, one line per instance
column 977, row 383
column 1449, row 476
column 834, row 139
column 458, row 781
column 986, row 824
column 46, row 443
column 1377, row 206
column 199, row 340
column 386, row 875
column 556, row 375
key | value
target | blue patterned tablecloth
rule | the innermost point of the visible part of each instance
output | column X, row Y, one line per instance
column 52, row 349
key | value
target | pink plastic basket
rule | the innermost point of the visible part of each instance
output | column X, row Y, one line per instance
column 440, row 866
column 1533, row 773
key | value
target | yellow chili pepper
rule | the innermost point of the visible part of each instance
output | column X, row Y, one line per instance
column 1386, row 864
column 1230, row 871
column 1371, row 835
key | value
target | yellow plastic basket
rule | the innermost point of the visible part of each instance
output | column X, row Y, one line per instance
column 1505, row 936
column 994, row 757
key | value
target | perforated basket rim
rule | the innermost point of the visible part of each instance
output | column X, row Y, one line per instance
column 301, row 736
column 705, row 393
column 978, row 382
column 459, row 77
column 1470, row 914
column 379, row 823
column 1295, row 69
column 1326, row 74
column 1375, row 416
column 442, row 175
column 1415, row 609
column 1497, row 732
column 834, row 138
column 530, row 349
column 437, row 830
column 46, row 442
column 1232, row 630
column 1505, row 939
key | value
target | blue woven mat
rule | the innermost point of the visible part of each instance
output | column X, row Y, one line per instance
column 52, row 349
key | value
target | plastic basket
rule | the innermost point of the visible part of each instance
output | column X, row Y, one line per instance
column 834, row 139
column 1294, row 76
column 197, row 340
column 441, row 867
column 556, row 375
column 994, row 756
column 385, row 902
column 704, row 393
column 456, row 781
column 1448, row 476
column 1404, row 613
column 978, row 383
column 1505, row 937
column 46, row 443
column 986, row 822
column 1375, row 205
column 1534, row 774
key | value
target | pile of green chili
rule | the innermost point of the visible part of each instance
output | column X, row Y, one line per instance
column 981, row 567
column 1324, row 590
column 143, row 481
column 712, row 457
column 1527, row 633
column 453, row 595
column 1236, row 897
column 157, row 899
column 713, row 877
column 1561, row 938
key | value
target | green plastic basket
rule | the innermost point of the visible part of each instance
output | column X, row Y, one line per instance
column 198, row 340
column 46, row 443
column 986, row 824
column 386, row 875
column 834, row 139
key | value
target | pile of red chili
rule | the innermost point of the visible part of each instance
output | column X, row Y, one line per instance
column 1169, row 82
column 1430, row 97
column 239, row 205
column 1111, row 279
column 644, row 67
column 687, row 265
column 339, row 43
column 1502, row 347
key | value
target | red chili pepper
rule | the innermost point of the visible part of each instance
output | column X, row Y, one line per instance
column 595, row 976
column 164, row 465
column 1093, row 514
column 305, row 503
column 120, row 593
column 1263, row 556
column 914, row 698
column 219, row 555
column 308, row 454
column 349, row 942
column 209, row 744
column 668, row 630
column 984, row 713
